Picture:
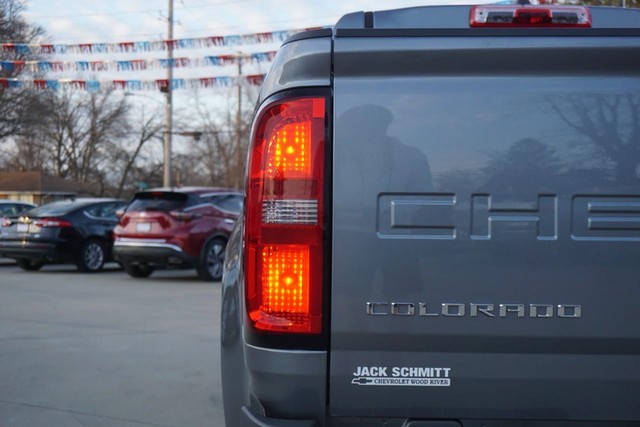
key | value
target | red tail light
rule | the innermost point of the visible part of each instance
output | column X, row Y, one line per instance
column 530, row 16
column 51, row 222
column 285, row 211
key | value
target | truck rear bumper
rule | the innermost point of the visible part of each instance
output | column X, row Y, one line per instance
column 251, row 419
column 276, row 377
column 284, row 388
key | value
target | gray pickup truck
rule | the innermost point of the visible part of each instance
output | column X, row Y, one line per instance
column 442, row 224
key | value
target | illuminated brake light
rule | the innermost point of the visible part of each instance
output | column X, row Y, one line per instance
column 530, row 16
column 292, row 151
column 285, row 281
column 284, row 239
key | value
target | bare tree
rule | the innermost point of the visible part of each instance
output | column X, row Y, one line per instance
column 147, row 128
column 26, row 153
column 25, row 148
column 80, row 128
column 16, row 104
column 223, row 147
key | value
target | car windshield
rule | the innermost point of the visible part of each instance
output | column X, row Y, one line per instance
column 158, row 201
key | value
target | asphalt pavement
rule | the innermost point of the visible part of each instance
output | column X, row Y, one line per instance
column 108, row 350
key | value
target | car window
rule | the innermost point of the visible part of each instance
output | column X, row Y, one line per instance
column 158, row 201
column 110, row 210
column 104, row 210
column 230, row 203
column 94, row 211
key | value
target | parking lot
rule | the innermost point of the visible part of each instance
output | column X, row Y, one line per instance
column 108, row 350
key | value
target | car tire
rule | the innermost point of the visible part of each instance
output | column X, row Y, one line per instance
column 91, row 257
column 139, row 271
column 212, row 263
column 29, row 264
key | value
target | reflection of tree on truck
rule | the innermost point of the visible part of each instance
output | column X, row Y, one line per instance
column 612, row 124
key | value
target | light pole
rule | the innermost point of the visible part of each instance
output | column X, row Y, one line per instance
column 166, row 180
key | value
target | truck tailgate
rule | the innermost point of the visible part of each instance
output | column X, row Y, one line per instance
column 486, row 227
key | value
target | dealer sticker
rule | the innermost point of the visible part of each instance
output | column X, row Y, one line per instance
column 408, row 376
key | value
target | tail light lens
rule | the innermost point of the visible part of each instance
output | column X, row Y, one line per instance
column 530, row 16
column 284, row 217
column 51, row 222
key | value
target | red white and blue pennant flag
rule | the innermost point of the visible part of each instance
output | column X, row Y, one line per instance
column 148, row 46
column 133, row 64
column 131, row 85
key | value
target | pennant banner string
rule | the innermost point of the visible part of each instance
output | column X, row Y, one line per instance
column 148, row 46
column 135, row 64
column 132, row 85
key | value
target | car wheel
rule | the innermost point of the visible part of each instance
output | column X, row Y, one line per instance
column 212, row 264
column 29, row 264
column 91, row 257
column 138, row 270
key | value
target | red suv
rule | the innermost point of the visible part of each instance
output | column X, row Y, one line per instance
column 181, row 228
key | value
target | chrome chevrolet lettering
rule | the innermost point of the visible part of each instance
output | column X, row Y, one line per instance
column 539, row 311
column 431, row 216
